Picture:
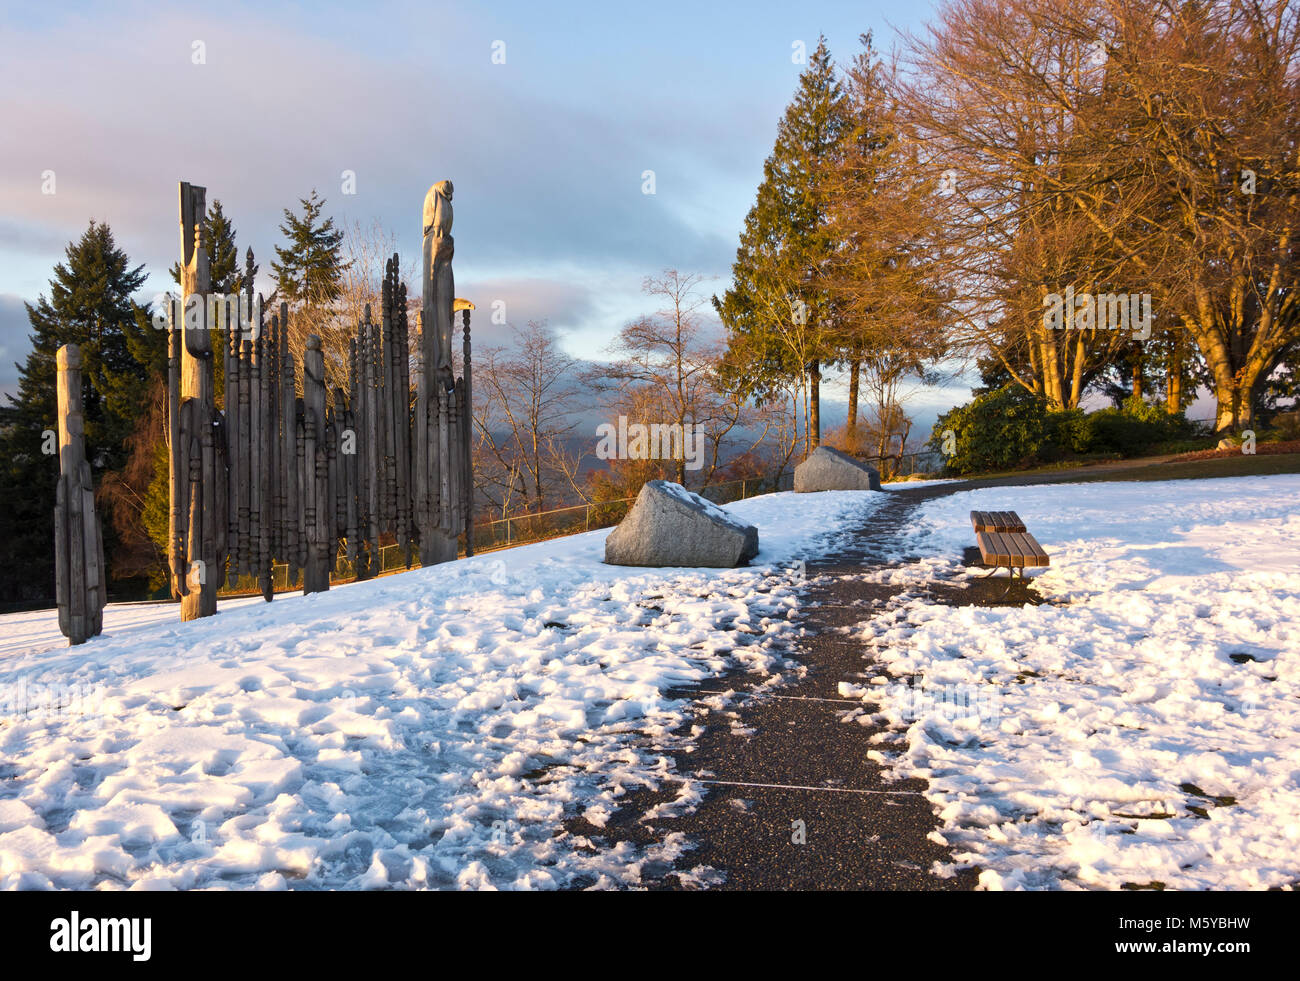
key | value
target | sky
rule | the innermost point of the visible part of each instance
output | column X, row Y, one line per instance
column 546, row 117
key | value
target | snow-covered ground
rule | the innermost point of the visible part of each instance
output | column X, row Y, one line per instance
column 1141, row 727
column 434, row 728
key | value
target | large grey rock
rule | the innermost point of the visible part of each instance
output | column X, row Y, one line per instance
column 670, row 526
column 827, row 469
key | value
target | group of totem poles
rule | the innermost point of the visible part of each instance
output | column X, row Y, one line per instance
column 286, row 471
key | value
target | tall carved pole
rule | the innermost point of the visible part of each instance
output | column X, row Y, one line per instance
column 177, row 447
column 81, row 580
column 467, row 421
column 441, row 528
column 317, row 503
column 203, row 566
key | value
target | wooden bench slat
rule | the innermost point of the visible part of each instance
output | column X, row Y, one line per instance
column 1037, row 551
column 1026, row 550
column 996, row 521
column 991, row 551
column 1014, row 549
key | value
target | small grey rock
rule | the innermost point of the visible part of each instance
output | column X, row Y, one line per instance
column 827, row 469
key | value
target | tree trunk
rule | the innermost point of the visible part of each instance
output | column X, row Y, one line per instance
column 1174, row 378
column 1137, row 377
column 814, row 405
column 851, row 424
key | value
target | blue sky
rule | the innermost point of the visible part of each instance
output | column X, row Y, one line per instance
column 547, row 150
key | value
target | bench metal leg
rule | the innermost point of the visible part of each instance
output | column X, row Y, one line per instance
column 1011, row 578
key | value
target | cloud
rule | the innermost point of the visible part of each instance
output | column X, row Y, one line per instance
column 548, row 186
column 116, row 109
column 505, row 301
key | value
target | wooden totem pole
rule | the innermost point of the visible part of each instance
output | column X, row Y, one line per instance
column 465, row 306
column 198, row 487
column 278, row 476
column 80, row 576
column 443, row 467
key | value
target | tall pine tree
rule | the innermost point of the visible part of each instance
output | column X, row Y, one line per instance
column 310, row 265
column 778, row 310
column 90, row 305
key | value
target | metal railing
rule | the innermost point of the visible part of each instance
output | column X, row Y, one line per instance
column 906, row 464
column 522, row 529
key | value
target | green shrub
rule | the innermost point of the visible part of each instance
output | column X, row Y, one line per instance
column 998, row 430
column 1115, row 431
column 1068, row 430
column 1135, row 429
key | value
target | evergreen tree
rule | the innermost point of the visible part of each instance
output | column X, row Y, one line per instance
column 778, row 311
column 89, row 305
column 310, row 265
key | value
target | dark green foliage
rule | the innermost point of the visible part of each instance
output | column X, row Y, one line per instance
column 1068, row 430
column 787, row 242
column 310, row 265
column 1114, row 431
column 997, row 430
column 1135, row 429
column 1010, row 427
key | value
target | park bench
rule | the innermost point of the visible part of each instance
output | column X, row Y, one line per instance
column 1005, row 543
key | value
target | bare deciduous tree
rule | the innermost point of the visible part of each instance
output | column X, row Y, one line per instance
column 525, row 401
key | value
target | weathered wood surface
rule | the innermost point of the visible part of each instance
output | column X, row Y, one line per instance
column 275, row 475
column 996, row 521
column 198, row 573
column 80, row 576
column 1016, row 550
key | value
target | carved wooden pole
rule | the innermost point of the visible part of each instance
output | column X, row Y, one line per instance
column 405, row 522
column 203, row 565
column 81, row 579
column 178, row 453
column 236, row 411
column 441, row 528
column 317, row 504
column 352, row 490
column 467, row 420
column 288, row 446
column 273, row 501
